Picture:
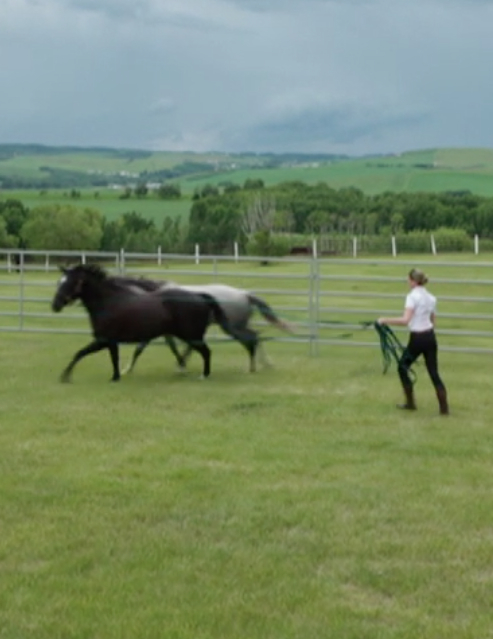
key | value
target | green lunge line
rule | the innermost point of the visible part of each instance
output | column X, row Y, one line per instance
column 391, row 347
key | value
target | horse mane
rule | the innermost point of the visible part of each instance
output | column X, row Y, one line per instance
column 101, row 275
column 96, row 271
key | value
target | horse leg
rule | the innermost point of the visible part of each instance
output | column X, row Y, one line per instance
column 93, row 347
column 205, row 351
column 115, row 357
column 139, row 349
column 182, row 362
column 266, row 360
column 186, row 354
column 249, row 339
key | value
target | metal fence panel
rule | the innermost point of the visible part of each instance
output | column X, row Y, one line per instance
column 319, row 296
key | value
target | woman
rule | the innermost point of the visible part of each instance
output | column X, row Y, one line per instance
column 419, row 316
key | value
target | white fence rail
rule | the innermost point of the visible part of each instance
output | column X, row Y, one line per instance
column 325, row 299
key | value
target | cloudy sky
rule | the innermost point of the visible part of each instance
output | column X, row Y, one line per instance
column 333, row 76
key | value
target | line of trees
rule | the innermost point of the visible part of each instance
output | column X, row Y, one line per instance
column 263, row 220
column 267, row 219
column 68, row 227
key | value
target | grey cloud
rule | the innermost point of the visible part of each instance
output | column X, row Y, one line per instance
column 162, row 106
column 318, row 128
column 192, row 14
column 236, row 74
column 113, row 9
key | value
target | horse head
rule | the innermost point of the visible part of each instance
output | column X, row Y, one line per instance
column 71, row 283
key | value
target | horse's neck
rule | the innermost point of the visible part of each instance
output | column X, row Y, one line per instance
column 96, row 295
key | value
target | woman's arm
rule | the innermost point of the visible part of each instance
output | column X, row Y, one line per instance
column 398, row 321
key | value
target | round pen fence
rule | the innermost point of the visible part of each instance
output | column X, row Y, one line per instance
column 326, row 300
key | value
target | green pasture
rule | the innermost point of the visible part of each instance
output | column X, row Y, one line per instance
column 369, row 178
column 467, row 159
column 478, row 182
column 105, row 161
column 453, row 171
column 291, row 503
column 431, row 170
column 108, row 202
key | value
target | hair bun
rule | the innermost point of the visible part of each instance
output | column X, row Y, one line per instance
column 418, row 277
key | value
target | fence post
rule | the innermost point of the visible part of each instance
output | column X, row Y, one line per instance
column 394, row 247
column 83, row 258
column 433, row 245
column 355, row 246
column 122, row 260
column 476, row 245
column 21, row 291
column 159, row 256
column 314, row 248
column 197, row 254
column 236, row 252
column 314, row 303
column 9, row 263
column 47, row 262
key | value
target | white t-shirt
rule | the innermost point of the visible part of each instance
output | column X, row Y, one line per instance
column 424, row 304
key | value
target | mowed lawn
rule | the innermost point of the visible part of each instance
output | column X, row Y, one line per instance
column 292, row 503
column 296, row 502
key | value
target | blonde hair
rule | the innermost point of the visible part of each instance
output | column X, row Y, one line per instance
column 418, row 277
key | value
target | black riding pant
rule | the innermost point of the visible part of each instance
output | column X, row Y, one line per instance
column 425, row 344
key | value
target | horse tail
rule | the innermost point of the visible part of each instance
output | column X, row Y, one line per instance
column 269, row 314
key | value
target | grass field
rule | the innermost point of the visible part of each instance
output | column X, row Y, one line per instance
column 431, row 170
column 107, row 161
column 296, row 502
column 108, row 203
column 454, row 170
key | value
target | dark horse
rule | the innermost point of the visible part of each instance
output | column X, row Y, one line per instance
column 237, row 304
column 119, row 314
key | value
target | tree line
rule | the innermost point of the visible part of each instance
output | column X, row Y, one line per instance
column 262, row 220
column 69, row 227
column 269, row 219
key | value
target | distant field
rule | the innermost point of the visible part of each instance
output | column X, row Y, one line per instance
column 431, row 171
column 108, row 202
column 425, row 170
column 105, row 161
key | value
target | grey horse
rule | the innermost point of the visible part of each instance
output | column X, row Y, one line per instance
column 238, row 306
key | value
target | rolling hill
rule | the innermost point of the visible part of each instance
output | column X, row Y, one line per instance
column 38, row 167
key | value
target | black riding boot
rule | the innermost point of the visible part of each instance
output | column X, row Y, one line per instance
column 410, row 403
column 442, row 401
